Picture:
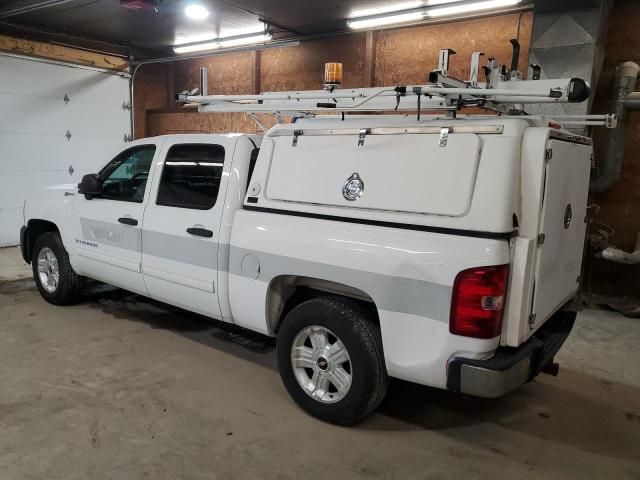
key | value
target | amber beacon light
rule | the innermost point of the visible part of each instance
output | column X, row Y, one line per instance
column 332, row 75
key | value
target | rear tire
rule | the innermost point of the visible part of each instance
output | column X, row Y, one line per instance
column 56, row 281
column 330, row 359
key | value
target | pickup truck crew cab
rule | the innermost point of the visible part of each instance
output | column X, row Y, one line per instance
column 441, row 251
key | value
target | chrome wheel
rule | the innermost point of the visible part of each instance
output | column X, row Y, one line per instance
column 321, row 364
column 48, row 270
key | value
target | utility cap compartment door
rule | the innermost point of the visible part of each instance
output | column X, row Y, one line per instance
column 409, row 173
column 562, row 229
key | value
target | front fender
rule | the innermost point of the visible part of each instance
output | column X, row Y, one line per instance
column 52, row 205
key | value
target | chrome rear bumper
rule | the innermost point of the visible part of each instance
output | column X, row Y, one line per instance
column 510, row 367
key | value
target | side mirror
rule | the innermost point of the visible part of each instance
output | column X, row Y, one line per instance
column 90, row 186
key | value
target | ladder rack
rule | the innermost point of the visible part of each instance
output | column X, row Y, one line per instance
column 411, row 97
column 503, row 92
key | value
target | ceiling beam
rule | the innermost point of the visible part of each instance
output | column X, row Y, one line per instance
column 31, row 7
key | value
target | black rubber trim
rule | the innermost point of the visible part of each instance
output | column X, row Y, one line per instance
column 378, row 223
column 542, row 347
column 24, row 242
column 252, row 162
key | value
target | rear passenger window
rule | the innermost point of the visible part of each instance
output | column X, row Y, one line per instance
column 191, row 176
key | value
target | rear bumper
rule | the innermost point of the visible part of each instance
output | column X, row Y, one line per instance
column 510, row 367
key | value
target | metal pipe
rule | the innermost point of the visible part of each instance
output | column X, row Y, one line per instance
column 611, row 164
column 632, row 102
column 620, row 256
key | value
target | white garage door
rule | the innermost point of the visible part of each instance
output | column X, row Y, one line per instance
column 57, row 123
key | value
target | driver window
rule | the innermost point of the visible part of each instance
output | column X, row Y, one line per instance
column 125, row 178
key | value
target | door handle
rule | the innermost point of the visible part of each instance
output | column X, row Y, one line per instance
column 128, row 221
column 200, row 232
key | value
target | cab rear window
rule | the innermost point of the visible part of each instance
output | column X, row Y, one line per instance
column 191, row 176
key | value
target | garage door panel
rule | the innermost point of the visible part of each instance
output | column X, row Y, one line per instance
column 53, row 117
column 36, row 153
column 9, row 218
column 34, row 119
column 81, row 85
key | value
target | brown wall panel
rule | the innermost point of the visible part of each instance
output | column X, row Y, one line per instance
column 150, row 92
column 227, row 74
column 406, row 56
column 401, row 56
column 302, row 67
column 172, row 122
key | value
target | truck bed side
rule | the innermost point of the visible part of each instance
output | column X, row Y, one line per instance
column 407, row 274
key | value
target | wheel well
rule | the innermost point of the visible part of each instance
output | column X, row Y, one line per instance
column 287, row 291
column 35, row 229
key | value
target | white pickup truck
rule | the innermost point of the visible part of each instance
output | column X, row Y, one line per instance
column 441, row 251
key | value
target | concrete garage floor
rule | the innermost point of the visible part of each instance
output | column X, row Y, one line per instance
column 120, row 387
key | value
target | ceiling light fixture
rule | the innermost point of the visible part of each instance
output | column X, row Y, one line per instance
column 386, row 20
column 196, row 11
column 470, row 7
column 199, row 47
column 398, row 7
column 198, row 37
column 224, row 42
column 236, row 42
column 411, row 13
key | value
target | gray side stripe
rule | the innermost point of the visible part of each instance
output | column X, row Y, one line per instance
column 396, row 294
column 194, row 251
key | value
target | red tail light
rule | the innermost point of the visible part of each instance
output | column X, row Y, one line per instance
column 478, row 301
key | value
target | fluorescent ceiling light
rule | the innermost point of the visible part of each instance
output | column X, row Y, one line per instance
column 198, row 37
column 386, row 20
column 199, row 47
column 386, row 9
column 184, row 37
column 235, row 42
column 470, row 7
column 222, row 43
column 196, row 11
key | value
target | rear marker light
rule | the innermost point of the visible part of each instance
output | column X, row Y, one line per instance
column 478, row 301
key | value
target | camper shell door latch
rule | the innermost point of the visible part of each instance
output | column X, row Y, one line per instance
column 444, row 136
column 296, row 134
column 362, row 135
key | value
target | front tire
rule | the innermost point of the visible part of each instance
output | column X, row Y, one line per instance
column 330, row 359
column 56, row 281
